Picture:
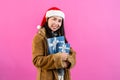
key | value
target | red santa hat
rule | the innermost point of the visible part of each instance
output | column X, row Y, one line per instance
column 54, row 11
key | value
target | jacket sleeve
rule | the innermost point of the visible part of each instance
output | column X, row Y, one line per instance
column 52, row 61
column 72, row 58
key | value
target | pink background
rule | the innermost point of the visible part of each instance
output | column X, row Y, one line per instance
column 92, row 28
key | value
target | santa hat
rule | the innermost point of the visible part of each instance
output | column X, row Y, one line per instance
column 54, row 11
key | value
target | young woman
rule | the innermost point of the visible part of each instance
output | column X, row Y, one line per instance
column 48, row 65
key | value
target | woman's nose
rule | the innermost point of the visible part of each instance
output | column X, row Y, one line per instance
column 56, row 22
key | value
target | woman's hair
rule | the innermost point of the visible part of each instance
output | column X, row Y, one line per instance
column 59, row 32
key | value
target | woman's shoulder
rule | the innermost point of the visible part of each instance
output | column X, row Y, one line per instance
column 40, row 34
column 41, row 31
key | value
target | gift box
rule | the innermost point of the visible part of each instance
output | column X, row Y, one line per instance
column 63, row 47
column 57, row 44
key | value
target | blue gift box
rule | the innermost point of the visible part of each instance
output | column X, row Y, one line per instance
column 57, row 44
column 63, row 47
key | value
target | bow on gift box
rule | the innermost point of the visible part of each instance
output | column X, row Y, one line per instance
column 53, row 44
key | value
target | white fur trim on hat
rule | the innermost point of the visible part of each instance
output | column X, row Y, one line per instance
column 55, row 13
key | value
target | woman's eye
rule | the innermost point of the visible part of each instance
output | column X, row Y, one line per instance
column 59, row 20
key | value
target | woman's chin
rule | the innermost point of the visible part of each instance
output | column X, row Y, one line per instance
column 54, row 29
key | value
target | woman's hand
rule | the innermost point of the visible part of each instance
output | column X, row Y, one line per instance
column 64, row 56
column 66, row 64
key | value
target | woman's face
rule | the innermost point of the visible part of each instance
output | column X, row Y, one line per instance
column 54, row 23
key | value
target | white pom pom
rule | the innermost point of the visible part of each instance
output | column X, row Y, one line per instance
column 38, row 26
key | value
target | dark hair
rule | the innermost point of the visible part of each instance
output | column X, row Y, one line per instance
column 59, row 32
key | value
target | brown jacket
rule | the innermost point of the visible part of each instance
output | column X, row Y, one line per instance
column 47, row 65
